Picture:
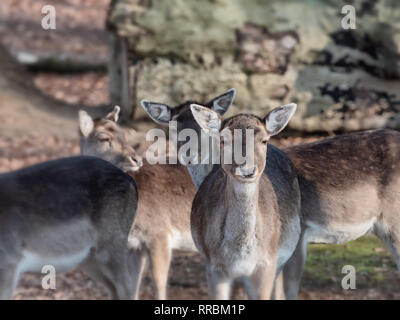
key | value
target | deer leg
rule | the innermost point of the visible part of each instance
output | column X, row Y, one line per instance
column 8, row 281
column 248, row 286
column 278, row 291
column 262, row 281
column 138, row 259
column 94, row 271
column 391, row 238
column 119, row 270
column 112, row 269
column 122, row 280
column 160, row 259
column 253, row 286
column 293, row 269
column 218, row 285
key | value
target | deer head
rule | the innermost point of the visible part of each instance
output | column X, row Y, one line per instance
column 230, row 130
column 163, row 114
column 103, row 138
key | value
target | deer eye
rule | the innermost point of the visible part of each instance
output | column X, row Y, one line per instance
column 103, row 137
column 105, row 140
column 264, row 141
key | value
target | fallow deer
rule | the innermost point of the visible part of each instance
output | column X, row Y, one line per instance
column 163, row 114
column 163, row 221
column 67, row 213
column 245, row 217
column 103, row 138
column 350, row 185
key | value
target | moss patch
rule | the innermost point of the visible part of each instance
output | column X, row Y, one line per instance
column 374, row 265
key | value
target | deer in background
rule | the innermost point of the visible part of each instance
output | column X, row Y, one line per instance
column 163, row 114
column 350, row 186
column 166, row 193
column 67, row 213
column 245, row 218
column 103, row 138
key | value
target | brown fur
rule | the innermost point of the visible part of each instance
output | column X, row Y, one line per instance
column 174, row 190
column 350, row 185
column 239, row 223
column 108, row 142
column 165, row 196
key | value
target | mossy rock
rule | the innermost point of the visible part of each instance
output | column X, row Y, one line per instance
column 341, row 79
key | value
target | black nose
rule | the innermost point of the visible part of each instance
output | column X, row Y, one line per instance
column 249, row 175
column 138, row 162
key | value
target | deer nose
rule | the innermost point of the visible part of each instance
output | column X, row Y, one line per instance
column 137, row 161
column 246, row 171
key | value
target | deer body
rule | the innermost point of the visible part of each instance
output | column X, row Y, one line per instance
column 166, row 193
column 350, row 186
column 241, row 220
column 172, row 209
column 163, row 222
column 67, row 213
column 288, row 194
column 250, row 230
column 245, row 219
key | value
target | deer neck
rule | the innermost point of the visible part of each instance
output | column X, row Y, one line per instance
column 241, row 209
column 199, row 172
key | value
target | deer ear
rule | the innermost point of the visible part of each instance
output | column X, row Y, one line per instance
column 208, row 120
column 86, row 123
column 159, row 112
column 278, row 118
column 222, row 103
column 114, row 115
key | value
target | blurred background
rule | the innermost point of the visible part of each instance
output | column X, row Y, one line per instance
column 107, row 52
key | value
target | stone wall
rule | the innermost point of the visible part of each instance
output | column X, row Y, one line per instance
column 273, row 52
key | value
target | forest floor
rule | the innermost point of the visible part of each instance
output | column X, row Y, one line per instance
column 80, row 30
